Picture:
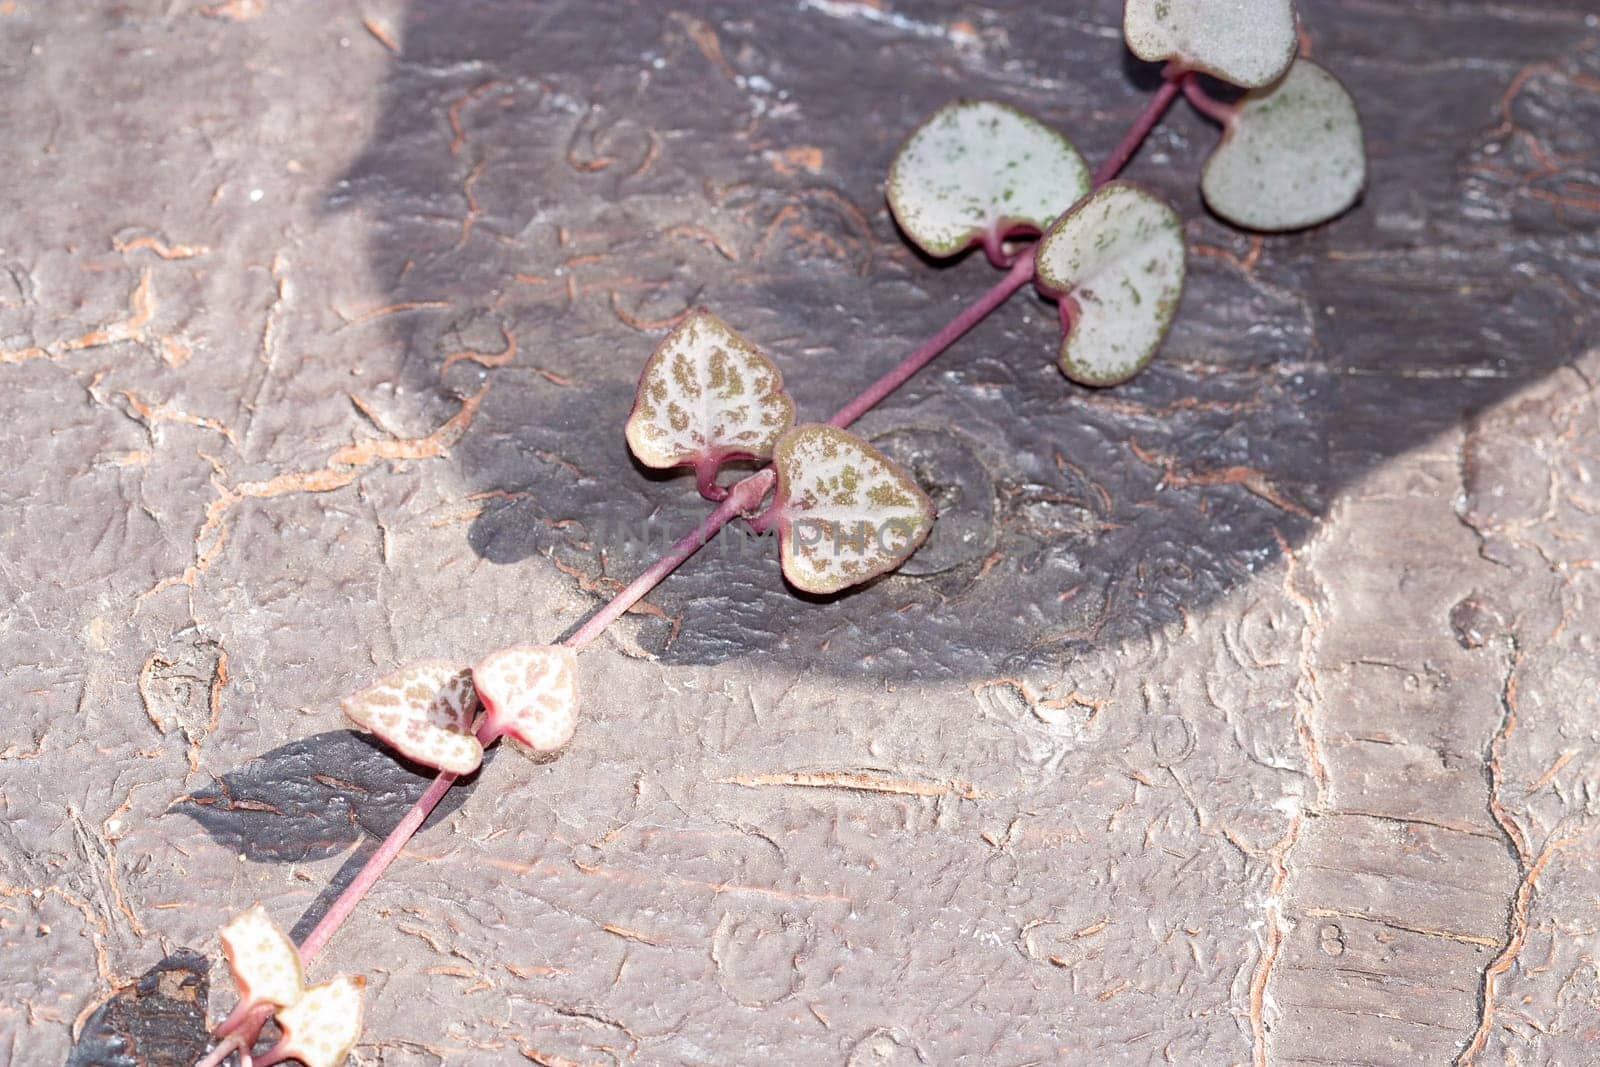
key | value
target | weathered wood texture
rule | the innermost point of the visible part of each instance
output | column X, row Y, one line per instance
column 1246, row 712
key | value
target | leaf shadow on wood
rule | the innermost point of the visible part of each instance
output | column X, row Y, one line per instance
column 158, row 1020
column 314, row 798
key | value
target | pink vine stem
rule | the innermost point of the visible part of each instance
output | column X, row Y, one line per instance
column 375, row 866
column 742, row 498
column 1020, row 274
column 1205, row 103
column 1143, row 123
column 705, row 479
column 230, row 1044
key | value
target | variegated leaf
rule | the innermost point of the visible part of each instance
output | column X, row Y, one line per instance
column 1115, row 261
column 706, row 395
column 530, row 695
column 1291, row 154
column 845, row 511
column 264, row 962
column 423, row 711
column 975, row 171
column 1247, row 42
column 322, row 1027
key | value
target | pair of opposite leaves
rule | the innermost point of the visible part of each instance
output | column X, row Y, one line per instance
column 1291, row 156
column 425, row 711
column 844, row 511
column 320, row 1024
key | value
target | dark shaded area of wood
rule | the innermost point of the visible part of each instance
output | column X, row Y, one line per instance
column 158, row 1021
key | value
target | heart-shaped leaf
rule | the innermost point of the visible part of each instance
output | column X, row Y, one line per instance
column 1247, row 42
column 323, row 1026
column 976, row 171
column 844, row 511
column 1291, row 154
column 264, row 962
column 530, row 695
column 1115, row 261
column 707, row 395
column 424, row 712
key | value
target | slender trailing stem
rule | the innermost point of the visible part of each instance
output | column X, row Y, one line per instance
column 1154, row 108
column 765, row 521
column 1019, row 275
column 375, row 866
column 744, row 496
column 240, row 1030
column 240, row 1036
column 1204, row 102
column 238, row 1018
column 229, row 1045
column 241, row 1027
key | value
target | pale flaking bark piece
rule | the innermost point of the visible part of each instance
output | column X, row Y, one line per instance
column 1116, row 260
column 845, row 511
column 976, row 167
column 324, row 1025
column 264, row 962
column 1291, row 155
column 423, row 711
column 1249, row 43
column 706, row 395
column 530, row 695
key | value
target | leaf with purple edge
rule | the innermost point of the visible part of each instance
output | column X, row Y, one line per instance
column 1116, row 263
column 707, row 395
column 976, row 171
column 423, row 711
column 845, row 512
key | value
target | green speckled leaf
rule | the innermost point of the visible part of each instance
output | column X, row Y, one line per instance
column 976, row 168
column 846, row 512
column 1116, row 261
column 1247, row 42
column 706, row 393
column 1292, row 155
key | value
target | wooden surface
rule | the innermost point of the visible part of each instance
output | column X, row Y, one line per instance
column 1243, row 713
